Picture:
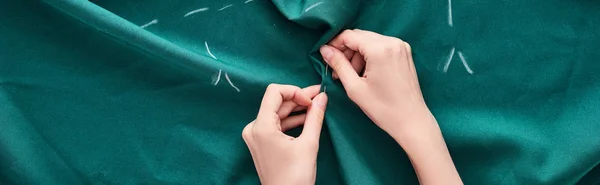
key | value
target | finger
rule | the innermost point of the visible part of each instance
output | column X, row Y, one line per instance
column 314, row 119
column 358, row 63
column 338, row 62
column 312, row 91
column 286, row 109
column 290, row 106
column 274, row 96
column 348, row 53
column 299, row 108
column 292, row 122
column 370, row 34
column 350, row 39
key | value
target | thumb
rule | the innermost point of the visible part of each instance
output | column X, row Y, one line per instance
column 314, row 118
column 340, row 64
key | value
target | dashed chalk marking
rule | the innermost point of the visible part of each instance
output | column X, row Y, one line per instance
column 450, row 21
column 208, row 50
column 155, row 21
column 449, row 60
column 464, row 62
column 312, row 6
column 218, row 78
column 196, row 11
column 231, row 83
column 225, row 7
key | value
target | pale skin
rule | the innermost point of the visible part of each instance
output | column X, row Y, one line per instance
column 378, row 74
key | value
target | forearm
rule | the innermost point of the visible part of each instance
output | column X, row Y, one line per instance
column 428, row 152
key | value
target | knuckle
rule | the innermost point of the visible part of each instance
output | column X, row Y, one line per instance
column 398, row 40
column 272, row 86
column 408, row 47
column 275, row 118
column 296, row 88
column 346, row 36
column 246, row 132
column 389, row 50
column 345, row 33
column 393, row 48
column 400, row 45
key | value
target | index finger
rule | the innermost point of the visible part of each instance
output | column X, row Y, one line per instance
column 274, row 97
column 350, row 39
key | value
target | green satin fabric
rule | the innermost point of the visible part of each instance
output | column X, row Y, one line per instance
column 87, row 96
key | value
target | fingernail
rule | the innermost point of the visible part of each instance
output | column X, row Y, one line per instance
column 326, row 52
column 320, row 101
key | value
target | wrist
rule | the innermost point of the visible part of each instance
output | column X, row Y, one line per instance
column 289, row 181
column 420, row 140
column 291, row 177
column 416, row 129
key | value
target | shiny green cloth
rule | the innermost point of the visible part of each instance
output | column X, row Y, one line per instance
column 87, row 96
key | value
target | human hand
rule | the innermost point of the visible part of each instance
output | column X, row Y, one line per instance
column 279, row 158
column 388, row 91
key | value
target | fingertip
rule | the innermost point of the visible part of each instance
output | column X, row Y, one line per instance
column 320, row 101
column 306, row 101
column 313, row 90
column 326, row 52
column 340, row 65
column 313, row 86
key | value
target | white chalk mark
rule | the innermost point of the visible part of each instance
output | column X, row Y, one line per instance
column 312, row 6
column 218, row 78
column 326, row 69
column 230, row 83
column 325, row 89
column 450, row 22
column 196, row 11
column 149, row 23
column 464, row 61
column 208, row 50
column 225, row 7
column 447, row 64
column 248, row 1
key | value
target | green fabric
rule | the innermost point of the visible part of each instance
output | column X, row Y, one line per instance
column 87, row 96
